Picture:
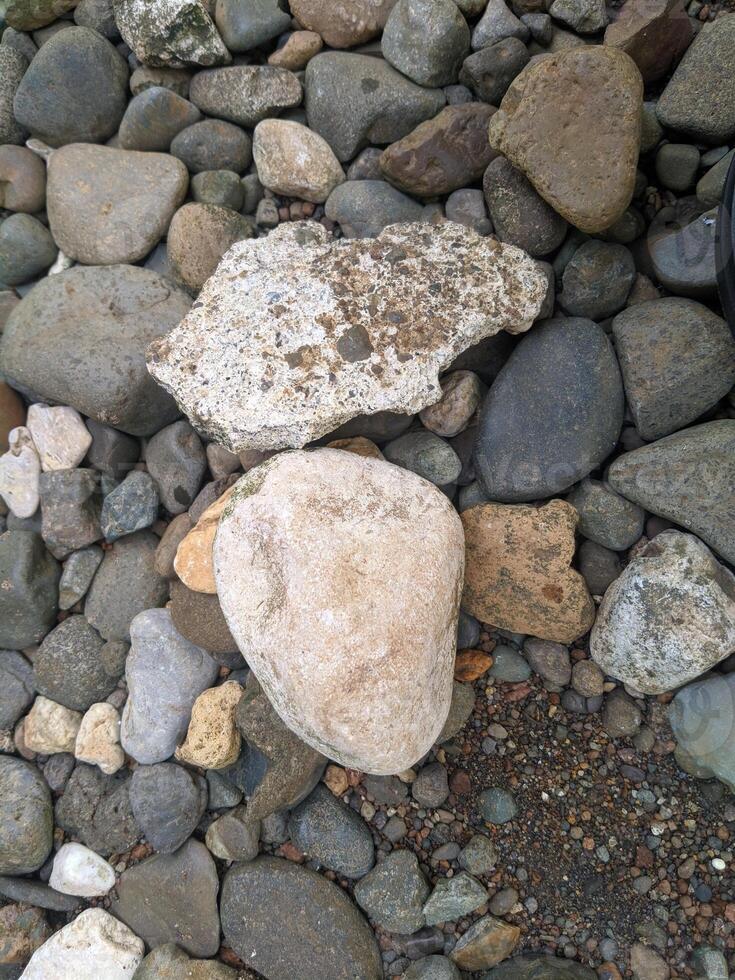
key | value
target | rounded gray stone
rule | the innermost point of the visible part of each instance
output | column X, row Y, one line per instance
column 683, row 258
column 362, row 208
column 69, row 666
column 520, row 217
column 131, row 506
column 497, row 806
column 677, row 165
column 394, row 892
column 598, row 566
column 509, row 665
column 176, row 460
column 549, row 660
column 29, row 600
column 16, row 687
column 432, row 968
column 490, row 71
column 26, row 817
column 223, row 188
column 597, row 280
column 431, row 786
column 332, row 833
column 246, row 26
column 168, row 802
column 213, row 144
column 154, row 117
column 427, row 454
column 426, row 40
column 26, row 249
column 245, row 94
column 605, row 517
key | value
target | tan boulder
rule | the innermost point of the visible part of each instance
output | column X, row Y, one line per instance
column 343, row 23
column 295, row 161
column 572, row 123
column 212, row 740
column 193, row 561
column 518, row 574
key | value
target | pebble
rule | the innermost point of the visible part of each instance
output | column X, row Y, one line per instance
column 70, row 508
column 431, row 788
column 28, row 606
column 153, row 118
column 212, row 740
column 503, row 901
column 331, row 833
column 677, row 165
column 16, row 683
column 583, row 16
column 60, row 436
column 20, row 471
column 467, row 207
column 131, row 506
column 26, row 817
column 292, row 160
column 519, row 216
column 509, row 665
column 426, row 40
column 175, row 34
column 198, row 618
column 95, row 808
column 597, row 280
column 245, row 94
column 298, row 50
column 176, row 460
column 490, row 71
column 13, row 66
column 111, row 452
column 223, row 188
column 684, row 258
column 711, row 185
column 424, row 453
column 363, row 208
column 394, row 892
column 549, row 660
column 233, row 837
column 587, row 679
column 198, row 237
column 432, row 968
column 213, row 145
column 245, row 27
column 23, row 177
column 604, row 516
column 453, row 898
column 168, row 801
column 98, row 739
column 71, row 667
column 49, row 727
column 343, row 23
column 79, row 871
column 462, row 392
column 26, row 249
column 485, row 944
column 497, row 806
column 621, row 716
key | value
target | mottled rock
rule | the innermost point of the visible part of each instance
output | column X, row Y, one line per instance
column 519, row 215
column 59, row 435
column 394, row 892
column 330, row 832
column 212, row 739
column 486, row 943
column 49, row 727
column 26, row 249
column 29, row 593
column 98, row 739
column 297, row 52
column 199, row 236
column 77, row 870
column 13, row 66
column 222, row 188
column 294, row 161
column 597, row 280
column 16, row 684
column 170, row 33
column 461, row 395
column 131, row 506
column 22, row 930
column 582, row 16
column 245, row 94
column 453, row 898
column 496, row 24
column 176, row 460
column 95, row 808
column 26, row 818
column 70, row 667
column 426, row 40
column 168, row 802
column 605, row 517
column 343, row 23
column 29, row 15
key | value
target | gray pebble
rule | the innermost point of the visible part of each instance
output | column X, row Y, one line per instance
column 26, row 249
column 168, row 802
column 330, row 832
column 213, row 145
column 497, row 806
column 176, row 460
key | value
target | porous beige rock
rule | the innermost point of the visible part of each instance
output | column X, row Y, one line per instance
column 343, row 23
column 295, row 161
column 20, row 472
column 340, row 577
column 518, row 574
column 297, row 333
column 572, row 124
column 50, row 727
column 98, row 739
column 59, row 434
column 298, row 51
column 193, row 561
column 212, row 740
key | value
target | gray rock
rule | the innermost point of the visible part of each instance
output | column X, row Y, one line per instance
column 621, row 716
column 21, row 42
column 604, row 516
column 479, row 856
column 70, row 509
column 168, row 962
column 35, row 893
column 172, row 898
column 687, row 478
column 79, row 570
column 57, row 770
column 677, row 165
column 79, row 339
column 213, row 145
column 70, row 668
column 509, row 665
column 362, row 208
column 176, row 460
column 467, row 207
column 223, row 188
column 677, row 359
column 153, row 118
column 332, row 833
column 549, row 660
column 246, row 26
column 29, row 602
column 394, row 892
column 519, row 216
column 710, row 962
column 386, row 789
column 366, row 165
column 496, row 24
column 561, row 376
column 99, row 16
column 583, row 16
column 490, row 71
column 233, row 836
column 131, row 506
column 597, row 280
column 13, row 65
column 168, row 802
column 112, row 452
column 503, row 901
column 96, row 810
column 598, row 566
column 535, row 967
column 125, row 584
column 222, row 793
column 468, row 631
column 16, row 687
column 268, row 890
column 453, row 898
column 683, row 260
column 26, row 818
column 425, row 453
column 702, row 717
column 651, row 129
column 75, row 89
column 711, row 185
column 431, row 786
column 426, row 40
column 353, row 101
column 174, row 34
column 245, row 94
column 460, row 709
column 540, row 26
column 165, row 675
column 26, row 249
column 432, row 968
column 497, row 806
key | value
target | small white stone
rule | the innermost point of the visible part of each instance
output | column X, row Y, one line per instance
column 718, row 864
column 61, row 437
column 98, row 738
column 295, row 161
column 77, row 870
column 50, row 727
column 95, row 946
column 20, row 469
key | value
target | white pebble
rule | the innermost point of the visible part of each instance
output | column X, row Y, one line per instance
column 20, row 469
column 61, row 437
column 77, row 870
column 49, row 727
column 718, row 864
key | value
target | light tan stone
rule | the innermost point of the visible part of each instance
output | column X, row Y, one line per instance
column 359, row 445
column 193, row 561
column 295, row 161
column 462, row 392
column 213, row 740
column 59, row 434
column 20, row 473
column 336, row 779
column 518, row 575
column 50, row 727
column 297, row 52
column 343, row 23
column 98, row 739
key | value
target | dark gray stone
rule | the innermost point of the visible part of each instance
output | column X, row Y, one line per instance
column 497, row 805
column 168, row 802
column 711, row 185
column 26, row 249
column 605, row 517
column 621, row 716
column 496, row 24
column 16, row 687
column 425, row 453
column 460, row 709
column 431, row 786
column 362, row 208
column 550, row 660
column 535, row 967
column 598, row 566
column 222, row 793
column 153, row 118
column 35, row 893
column 597, row 280
column 479, row 856
column 683, row 259
column 131, row 506
column 366, row 165
column 677, row 165
column 176, row 460
column 112, row 452
column 467, row 207
column 29, row 602
column 79, row 570
column 453, row 898
column 509, row 665
column 99, row 16
column 223, row 188
column 58, row 769
column 213, row 145
column 26, row 817
column 96, row 810
column 386, row 789
column 70, row 509
column 468, row 631
column 22, row 43
column 426, row 40
column 70, row 666
column 332, row 833
column 519, row 215
column 490, row 71
column 233, row 836
column 168, row 962
column 394, row 892
column 246, row 26
column 432, row 968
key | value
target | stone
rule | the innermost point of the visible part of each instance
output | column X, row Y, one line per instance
column 29, row 593
column 497, row 806
column 243, row 28
column 95, row 808
column 462, row 393
column 430, row 788
column 292, row 484
column 59, row 435
column 486, row 943
column 668, row 618
column 193, row 561
column 75, row 90
column 331, row 833
column 175, row 79
column 598, row 566
column 597, row 280
column 386, row 789
column 363, row 208
column 496, row 24
column 168, row 802
column 198, row 618
column 534, row 130
column 26, row 249
column 394, row 892
column 604, row 516
column 519, row 216
column 13, row 66
column 176, row 460
column 28, row 891
column 112, row 452
column 646, row 963
column 22, row 930
column 153, row 118
column 213, row 145
column 93, row 945
column 212, row 740
column 131, row 506
column 23, row 15
column 702, row 718
column 170, row 33
column 677, row 165
column 98, row 739
column 199, row 236
column 168, row 961
column 172, row 898
column 16, row 684
column 294, row 161
column 245, row 94
column 297, row 261
column 517, row 574
column 529, row 443
column 426, row 40
column 257, row 893
column 682, row 255
column 223, row 188
column 621, row 716
column 685, row 478
column 678, row 360
column 99, row 15
column 233, row 837
column 23, row 180
column 50, row 727
column 583, row 16
column 549, row 660
column 174, row 534
column 508, row 665
column 538, row 967
column 587, row 679
column 711, row 185
column 453, row 898
column 70, row 508
column 344, row 23
column 354, row 100
column 300, row 47
column 427, row 455
column 70, row 667
column 490, row 71
column 694, row 102
column 432, row 968
column 79, row 871
column 26, row 817
column 12, row 409
column 460, row 709
column 20, row 471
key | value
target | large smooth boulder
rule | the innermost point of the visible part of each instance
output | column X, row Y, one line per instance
column 297, row 333
column 668, row 618
column 329, row 583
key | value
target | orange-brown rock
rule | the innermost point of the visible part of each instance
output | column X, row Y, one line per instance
column 343, row 23
column 12, row 413
column 359, row 445
column 471, row 664
column 193, row 561
column 655, row 33
column 298, row 51
column 485, row 944
column 518, row 574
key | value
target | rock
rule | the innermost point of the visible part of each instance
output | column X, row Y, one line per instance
column 168, row 802
column 343, row 23
column 363, row 208
column 683, row 255
column 685, row 478
column 354, row 100
column 131, row 506
column 59, row 435
column 289, row 485
column 170, row 33
column 496, row 24
column 26, row 818
column 168, row 961
column 20, row 471
column 298, row 260
column 486, row 943
column 529, row 443
column 175, row 79
column 426, row 40
column 199, row 236
column 29, row 596
column 212, row 740
column 646, row 963
column 427, row 455
column 176, row 460
column 479, row 856
column 213, row 145
column 75, row 90
column 587, row 679
column 23, row 930
column 257, row 893
column 294, row 161
column 26, row 249
column 597, row 280
column 490, row 71
column 669, row 617
column 112, row 452
column 536, row 967
column 604, row 516
column 93, row 216
column 98, row 739
column 245, row 28
column 432, row 968
column 694, row 102
column 519, row 215
column 711, row 186
column 331, row 833
column 508, row 665
column 96, row 809
column 701, row 717
column 394, row 892
column 12, row 409
column 453, row 898
column 198, row 618
column 460, row 709
column 79, row 871
column 13, row 66
column 517, row 573
column 93, row 945
column 70, row 507
column 153, row 118
column 233, row 837
column 534, row 131
column 69, row 666
column 497, row 806
column 23, row 15
column 583, row 16
column 49, row 727
column 677, row 359
column 193, row 560
column 172, row 898
column 677, row 165
column 16, row 683
column 106, row 316
column 430, row 788
column 549, row 660
column 297, row 52
column 26, row 890
column 462, row 392
column 23, row 177
column 245, row 94
column 598, row 566
column 98, row 15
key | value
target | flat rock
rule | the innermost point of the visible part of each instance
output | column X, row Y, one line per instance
column 343, row 23
column 95, row 809
column 29, row 597
column 170, row 33
column 31, row 892
column 687, row 478
column 535, row 967
column 245, row 94
column 302, row 514
column 168, row 802
column 668, row 618
column 518, row 574
column 605, row 517
column 394, row 892
column 70, row 667
column 77, row 870
column 702, row 716
column 26, row 817
column 584, row 165
column 16, row 683
column 683, row 256
column 331, row 833
column 93, row 215
column 295, row 161
column 328, row 323
column 168, row 961
column 655, row 35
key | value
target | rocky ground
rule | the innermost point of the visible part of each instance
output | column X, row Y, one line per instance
column 449, row 691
